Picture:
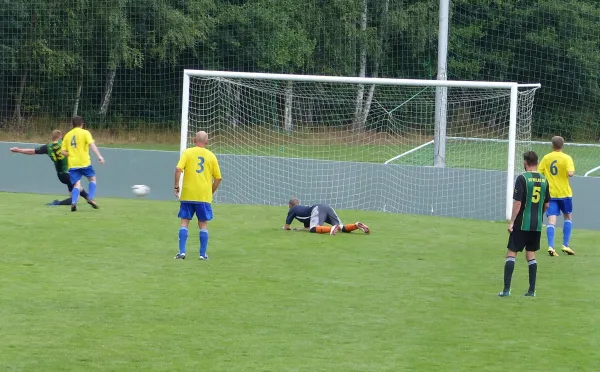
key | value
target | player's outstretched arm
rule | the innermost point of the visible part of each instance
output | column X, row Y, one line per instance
column 22, row 151
column 97, row 152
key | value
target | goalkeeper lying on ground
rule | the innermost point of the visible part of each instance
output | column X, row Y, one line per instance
column 316, row 216
column 52, row 149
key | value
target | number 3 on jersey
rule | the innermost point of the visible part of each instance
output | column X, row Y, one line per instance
column 73, row 142
column 200, row 164
column 535, row 197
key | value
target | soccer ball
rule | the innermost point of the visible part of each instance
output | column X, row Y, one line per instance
column 140, row 190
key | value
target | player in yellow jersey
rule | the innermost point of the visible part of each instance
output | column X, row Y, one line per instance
column 201, row 179
column 76, row 146
column 558, row 167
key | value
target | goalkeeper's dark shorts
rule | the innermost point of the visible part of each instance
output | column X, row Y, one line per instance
column 528, row 240
column 322, row 214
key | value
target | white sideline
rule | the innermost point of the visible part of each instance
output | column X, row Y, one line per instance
column 474, row 139
column 408, row 152
column 591, row 171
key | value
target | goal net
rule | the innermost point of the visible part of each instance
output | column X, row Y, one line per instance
column 363, row 144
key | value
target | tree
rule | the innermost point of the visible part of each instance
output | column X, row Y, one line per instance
column 115, row 30
column 33, row 44
column 272, row 36
column 362, row 69
column 551, row 42
column 383, row 32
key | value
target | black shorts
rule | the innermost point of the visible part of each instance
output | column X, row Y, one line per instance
column 528, row 240
column 322, row 214
column 66, row 179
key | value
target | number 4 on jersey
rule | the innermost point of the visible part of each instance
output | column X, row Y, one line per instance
column 73, row 142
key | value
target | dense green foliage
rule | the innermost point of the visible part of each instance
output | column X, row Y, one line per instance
column 122, row 60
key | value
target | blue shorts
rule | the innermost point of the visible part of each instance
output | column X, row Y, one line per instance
column 75, row 174
column 202, row 210
column 558, row 206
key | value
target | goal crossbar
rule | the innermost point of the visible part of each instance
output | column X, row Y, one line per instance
column 357, row 80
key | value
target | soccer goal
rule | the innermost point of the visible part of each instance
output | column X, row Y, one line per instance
column 336, row 140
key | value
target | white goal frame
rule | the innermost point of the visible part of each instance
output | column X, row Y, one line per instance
column 513, row 87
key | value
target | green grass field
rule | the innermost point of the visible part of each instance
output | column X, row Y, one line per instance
column 100, row 291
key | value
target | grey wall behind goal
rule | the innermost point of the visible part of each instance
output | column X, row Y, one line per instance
column 272, row 180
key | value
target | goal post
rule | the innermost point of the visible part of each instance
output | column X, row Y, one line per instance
column 266, row 122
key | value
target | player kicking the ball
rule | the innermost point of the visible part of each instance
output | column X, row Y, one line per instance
column 53, row 150
column 201, row 179
column 316, row 216
column 530, row 200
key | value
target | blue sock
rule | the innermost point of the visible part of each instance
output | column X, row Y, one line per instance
column 74, row 196
column 550, row 233
column 92, row 192
column 203, row 242
column 183, row 235
column 567, row 227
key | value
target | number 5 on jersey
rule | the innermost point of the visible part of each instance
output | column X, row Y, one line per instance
column 535, row 197
column 200, row 164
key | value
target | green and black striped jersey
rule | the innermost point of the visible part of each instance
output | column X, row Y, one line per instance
column 533, row 191
column 52, row 149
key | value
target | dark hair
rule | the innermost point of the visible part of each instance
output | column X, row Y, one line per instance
column 530, row 158
column 77, row 121
column 557, row 142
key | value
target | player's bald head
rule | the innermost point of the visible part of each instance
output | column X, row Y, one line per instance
column 558, row 142
column 201, row 138
column 294, row 201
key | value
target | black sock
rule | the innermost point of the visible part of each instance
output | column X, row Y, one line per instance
column 509, row 267
column 532, row 274
column 67, row 201
column 84, row 194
